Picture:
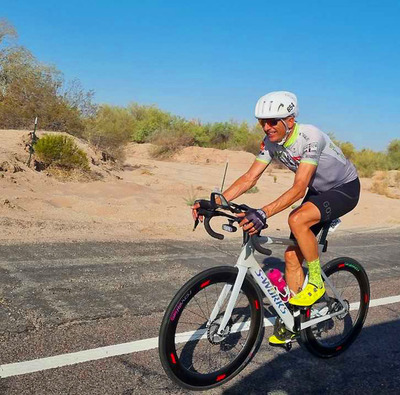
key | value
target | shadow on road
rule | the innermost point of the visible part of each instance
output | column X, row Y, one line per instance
column 370, row 366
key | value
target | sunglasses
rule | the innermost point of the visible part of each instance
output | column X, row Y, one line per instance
column 270, row 121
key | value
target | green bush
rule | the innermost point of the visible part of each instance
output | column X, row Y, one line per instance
column 253, row 190
column 368, row 161
column 348, row 149
column 148, row 120
column 110, row 130
column 60, row 151
column 394, row 155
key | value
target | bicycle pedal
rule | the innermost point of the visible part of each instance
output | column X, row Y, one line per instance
column 287, row 345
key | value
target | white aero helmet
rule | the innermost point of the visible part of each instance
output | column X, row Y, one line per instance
column 278, row 104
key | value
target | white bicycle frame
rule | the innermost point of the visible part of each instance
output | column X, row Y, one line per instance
column 247, row 263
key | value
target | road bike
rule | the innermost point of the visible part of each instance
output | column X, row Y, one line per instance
column 215, row 323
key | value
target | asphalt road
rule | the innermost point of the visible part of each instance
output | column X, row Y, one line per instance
column 67, row 297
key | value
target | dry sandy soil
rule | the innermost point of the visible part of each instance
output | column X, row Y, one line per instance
column 145, row 200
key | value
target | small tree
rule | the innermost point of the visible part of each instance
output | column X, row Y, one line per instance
column 29, row 88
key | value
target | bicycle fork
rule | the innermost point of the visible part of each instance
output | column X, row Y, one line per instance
column 231, row 303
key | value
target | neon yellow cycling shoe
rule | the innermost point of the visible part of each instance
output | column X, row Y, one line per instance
column 279, row 340
column 308, row 296
column 281, row 335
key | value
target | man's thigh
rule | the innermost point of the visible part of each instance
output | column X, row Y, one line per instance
column 334, row 203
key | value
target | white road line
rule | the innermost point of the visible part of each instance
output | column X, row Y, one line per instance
column 36, row 365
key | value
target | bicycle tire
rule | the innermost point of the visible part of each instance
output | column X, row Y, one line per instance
column 330, row 338
column 188, row 313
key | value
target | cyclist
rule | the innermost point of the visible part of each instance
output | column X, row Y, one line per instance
column 324, row 176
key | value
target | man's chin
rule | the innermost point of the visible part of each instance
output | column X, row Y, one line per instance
column 273, row 139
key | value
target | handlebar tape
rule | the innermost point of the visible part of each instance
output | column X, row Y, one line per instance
column 258, row 247
column 210, row 231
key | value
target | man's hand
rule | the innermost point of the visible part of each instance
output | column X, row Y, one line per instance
column 253, row 221
column 195, row 213
column 206, row 204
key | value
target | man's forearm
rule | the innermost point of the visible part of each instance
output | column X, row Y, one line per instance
column 239, row 187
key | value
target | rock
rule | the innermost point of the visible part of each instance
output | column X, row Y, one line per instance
column 8, row 167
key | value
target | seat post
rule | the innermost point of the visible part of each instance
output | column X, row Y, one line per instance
column 323, row 244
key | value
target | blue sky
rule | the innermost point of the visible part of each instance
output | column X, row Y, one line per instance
column 212, row 60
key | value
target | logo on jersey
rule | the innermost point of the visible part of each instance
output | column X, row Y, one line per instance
column 291, row 162
column 312, row 147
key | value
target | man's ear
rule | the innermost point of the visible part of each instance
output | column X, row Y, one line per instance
column 291, row 121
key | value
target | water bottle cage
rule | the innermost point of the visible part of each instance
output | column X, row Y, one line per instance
column 284, row 296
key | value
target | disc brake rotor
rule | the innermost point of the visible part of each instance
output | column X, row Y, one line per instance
column 212, row 332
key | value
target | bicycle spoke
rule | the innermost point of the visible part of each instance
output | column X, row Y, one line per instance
column 199, row 350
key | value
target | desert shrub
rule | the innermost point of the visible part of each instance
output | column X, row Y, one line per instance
column 348, row 149
column 381, row 187
column 167, row 142
column 191, row 196
column 252, row 143
column 220, row 134
column 110, row 130
column 60, row 151
column 397, row 179
column 252, row 190
column 393, row 153
column 200, row 134
column 148, row 120
column 368, row 161
column 240, row 134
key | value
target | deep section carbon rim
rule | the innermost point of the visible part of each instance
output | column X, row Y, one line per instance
column 192, row 352
column 333, row 336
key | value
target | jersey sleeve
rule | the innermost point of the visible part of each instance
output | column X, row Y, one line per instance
column 264, row 156
column 313, row 148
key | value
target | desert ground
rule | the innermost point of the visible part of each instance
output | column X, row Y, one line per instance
column 145, row 199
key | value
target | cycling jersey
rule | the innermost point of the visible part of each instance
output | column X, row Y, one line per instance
column 309, row 145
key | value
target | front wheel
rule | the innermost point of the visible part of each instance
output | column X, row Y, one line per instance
column 192, row 353
column 331, row 337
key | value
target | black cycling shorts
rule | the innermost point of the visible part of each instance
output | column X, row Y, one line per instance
column 334, row 203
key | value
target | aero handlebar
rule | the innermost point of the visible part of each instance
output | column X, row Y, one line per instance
column 211, row 212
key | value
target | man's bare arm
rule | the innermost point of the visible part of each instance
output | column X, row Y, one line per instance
column 246, row 181
column 301, row 181
column 240, row 186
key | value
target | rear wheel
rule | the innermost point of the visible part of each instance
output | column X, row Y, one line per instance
column 192, row 353
column 331, row 337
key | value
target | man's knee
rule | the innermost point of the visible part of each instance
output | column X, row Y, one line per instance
column 304, row 217
column 296, row 221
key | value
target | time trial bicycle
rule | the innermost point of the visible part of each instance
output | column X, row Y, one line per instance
column 215, row 323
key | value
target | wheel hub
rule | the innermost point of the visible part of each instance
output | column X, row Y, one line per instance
column 212, row 332
column 337, row 306
column 346, row 306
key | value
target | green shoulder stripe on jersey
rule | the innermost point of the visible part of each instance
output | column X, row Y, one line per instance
column 310, row 161
column 293, row 137
column 263, row 161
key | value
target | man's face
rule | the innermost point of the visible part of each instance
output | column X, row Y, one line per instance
column 275, row 129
